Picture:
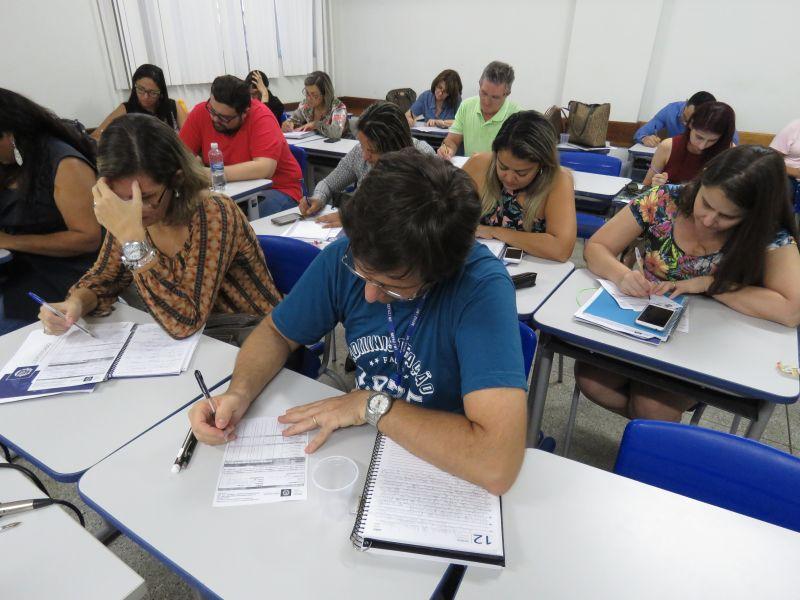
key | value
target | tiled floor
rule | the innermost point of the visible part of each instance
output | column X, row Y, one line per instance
column 595, row 442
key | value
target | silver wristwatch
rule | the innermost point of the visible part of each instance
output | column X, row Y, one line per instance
column 378, row 404
column 137, row 254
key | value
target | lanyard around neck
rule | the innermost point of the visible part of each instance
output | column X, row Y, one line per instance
column 399, row 354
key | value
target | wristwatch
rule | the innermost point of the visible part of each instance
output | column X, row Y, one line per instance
column 137, row 254
column 378, row 404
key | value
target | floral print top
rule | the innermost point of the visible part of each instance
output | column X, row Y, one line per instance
column 332, row 125
column 655, row 212
column 509, row 213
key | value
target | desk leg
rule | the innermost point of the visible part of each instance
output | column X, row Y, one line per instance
column 252, row 208
column 107, row 533
column 537, row 392
column 757, row 426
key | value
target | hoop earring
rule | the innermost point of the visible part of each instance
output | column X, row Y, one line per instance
column 17, row 154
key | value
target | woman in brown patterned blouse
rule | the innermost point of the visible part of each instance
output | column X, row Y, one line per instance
column 188, row 251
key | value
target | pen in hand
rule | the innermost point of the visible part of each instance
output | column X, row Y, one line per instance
column 190, row 441
column 58, row 313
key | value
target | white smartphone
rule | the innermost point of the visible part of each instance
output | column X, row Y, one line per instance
column 285, row 219
column 656, row 316
column 512, row 255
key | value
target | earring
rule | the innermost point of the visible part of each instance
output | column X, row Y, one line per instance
column 176, row 194
column 17, row 153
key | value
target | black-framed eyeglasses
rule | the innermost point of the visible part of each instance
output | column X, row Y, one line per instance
column 157, row 203
column 347, row 261
column 215, row 115
column 145, row 92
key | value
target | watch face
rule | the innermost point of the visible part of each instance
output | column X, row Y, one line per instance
column 379, row 403
column 133, row 251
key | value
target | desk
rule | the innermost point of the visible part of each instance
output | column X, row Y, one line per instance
column 641, row 156
column 5, row 256
column 727, row 359
column 247, row 192
column 319, row 147
column 66, row 434
column 573, row 531
column 434, row 136
column 300, row 141
column 595, row 185
column 51, row 556
column 281, row 550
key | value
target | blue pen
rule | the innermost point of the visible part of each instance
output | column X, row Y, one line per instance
column 58, row 313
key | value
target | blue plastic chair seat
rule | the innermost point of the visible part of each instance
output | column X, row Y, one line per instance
column 589, row 162
column 588, row 224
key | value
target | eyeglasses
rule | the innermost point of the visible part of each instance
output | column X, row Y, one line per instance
column 145, row 92
column 347, row 261
column 215, row 115
column 157, row 203
column 311, row 95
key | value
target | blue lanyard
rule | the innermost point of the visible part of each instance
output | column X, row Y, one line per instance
column 399, row 355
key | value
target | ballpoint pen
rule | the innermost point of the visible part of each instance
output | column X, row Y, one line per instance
column 10, row 526
column 58, row 313
column 190, row 441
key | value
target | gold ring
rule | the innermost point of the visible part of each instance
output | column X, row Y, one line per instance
column 315, row 421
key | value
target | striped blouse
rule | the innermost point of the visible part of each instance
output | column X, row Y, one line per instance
column 220, row 269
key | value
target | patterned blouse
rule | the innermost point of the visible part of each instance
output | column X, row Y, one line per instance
column 220, row 269
column 655, row 212
column 332, row 125
column 509, row 213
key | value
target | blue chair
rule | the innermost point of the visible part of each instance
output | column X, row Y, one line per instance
column 302, row 159
column 528, row 338
column 287, row 260
column 588, row 224
column 731, row 472
column 590, row 162
column 284, row 116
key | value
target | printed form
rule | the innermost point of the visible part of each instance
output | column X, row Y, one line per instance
column 262, row 466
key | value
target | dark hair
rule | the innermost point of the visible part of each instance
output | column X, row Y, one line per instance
column 386, row 127
column 714, row 117
column 452, row 85
column 528, row 136
column 325, row 86
column 163, row 107
column 754, row 179
column 232, row 91
column 699, row 98
column 499, row 73
column 32, row 125
column 141, row 144
column 250, row 80
column 413, row 213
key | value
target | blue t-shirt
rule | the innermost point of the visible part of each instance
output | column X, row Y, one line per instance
column 467, row 337
column 668, row 118
column 426, row 106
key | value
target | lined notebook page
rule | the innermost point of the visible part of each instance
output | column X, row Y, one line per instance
column 151, row 351
column 413, row 502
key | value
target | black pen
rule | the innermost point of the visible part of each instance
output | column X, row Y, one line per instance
column 186, row 447
column 199, row 377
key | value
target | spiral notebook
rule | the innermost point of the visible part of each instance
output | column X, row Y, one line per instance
column 410, row 507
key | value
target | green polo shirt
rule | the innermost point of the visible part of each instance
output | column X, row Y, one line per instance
column 479, row 134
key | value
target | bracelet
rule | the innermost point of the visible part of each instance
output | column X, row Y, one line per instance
column 142, row 262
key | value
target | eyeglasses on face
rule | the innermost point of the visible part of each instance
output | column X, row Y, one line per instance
column 347, row 261
column 145, row 92
column 311, row 95
column 215, row 115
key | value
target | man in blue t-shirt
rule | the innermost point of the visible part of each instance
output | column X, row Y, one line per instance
column 430, row 321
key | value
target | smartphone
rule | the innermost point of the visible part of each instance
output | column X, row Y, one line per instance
column 512, row 255
column 330, row 140
column 523, row 280
column 285, row 219
column 656, row 317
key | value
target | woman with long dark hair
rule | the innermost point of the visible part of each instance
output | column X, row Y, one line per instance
column 709, row 131
column 149, row 96
column 188, row 252
column 729, row 234
column 439, row 104
column 46, row 218
column 259, row 90
column 527, row 200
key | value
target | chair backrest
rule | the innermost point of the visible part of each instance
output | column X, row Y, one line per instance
column 287, row 259
column 735, row 473
column 402, row 97
column 588, row 224
column 528, row 338
column 590, row 162
column 302, row 160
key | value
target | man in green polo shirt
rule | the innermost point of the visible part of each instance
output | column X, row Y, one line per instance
column 479, row 118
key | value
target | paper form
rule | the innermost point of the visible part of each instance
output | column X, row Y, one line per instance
column 309, row 229
column 262, row 466
column 413, row 502
column 152, row 351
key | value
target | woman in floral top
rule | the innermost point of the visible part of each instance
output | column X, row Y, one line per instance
column 527, row 199
column 320, row 110
column 729, row 234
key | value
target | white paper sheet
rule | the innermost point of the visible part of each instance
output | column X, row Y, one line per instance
column 308, row 229
column 262, row 466
column 152, row 352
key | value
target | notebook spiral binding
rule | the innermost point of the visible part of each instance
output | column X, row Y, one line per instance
column 357, row 536
column 121, row 354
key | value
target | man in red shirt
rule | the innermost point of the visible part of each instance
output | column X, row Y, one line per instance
column 250, row 139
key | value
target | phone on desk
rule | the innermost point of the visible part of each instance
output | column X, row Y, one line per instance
column 285, row 219
column 523, row 280
column 330, row 140
column 512, row 255
column 657, row 316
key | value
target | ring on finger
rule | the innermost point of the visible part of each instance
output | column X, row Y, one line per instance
column 313, row 418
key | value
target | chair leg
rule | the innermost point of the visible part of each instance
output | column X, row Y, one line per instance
column 573, row 413
column 735, row 424
column 698, row 414
column 560, row 369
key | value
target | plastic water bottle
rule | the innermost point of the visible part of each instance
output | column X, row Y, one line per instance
column 217, row 168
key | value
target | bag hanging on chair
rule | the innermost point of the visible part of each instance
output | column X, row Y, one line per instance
column 555, row 115
column 588, row 123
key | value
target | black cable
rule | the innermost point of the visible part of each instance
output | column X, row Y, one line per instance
column 73, row 508
column 31, row 475
column 6, row 453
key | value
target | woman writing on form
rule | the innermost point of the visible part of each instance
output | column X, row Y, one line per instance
column 527, row 199
column 320, row 110
column 188, row 252
column 439, row 104
column 729, row 234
